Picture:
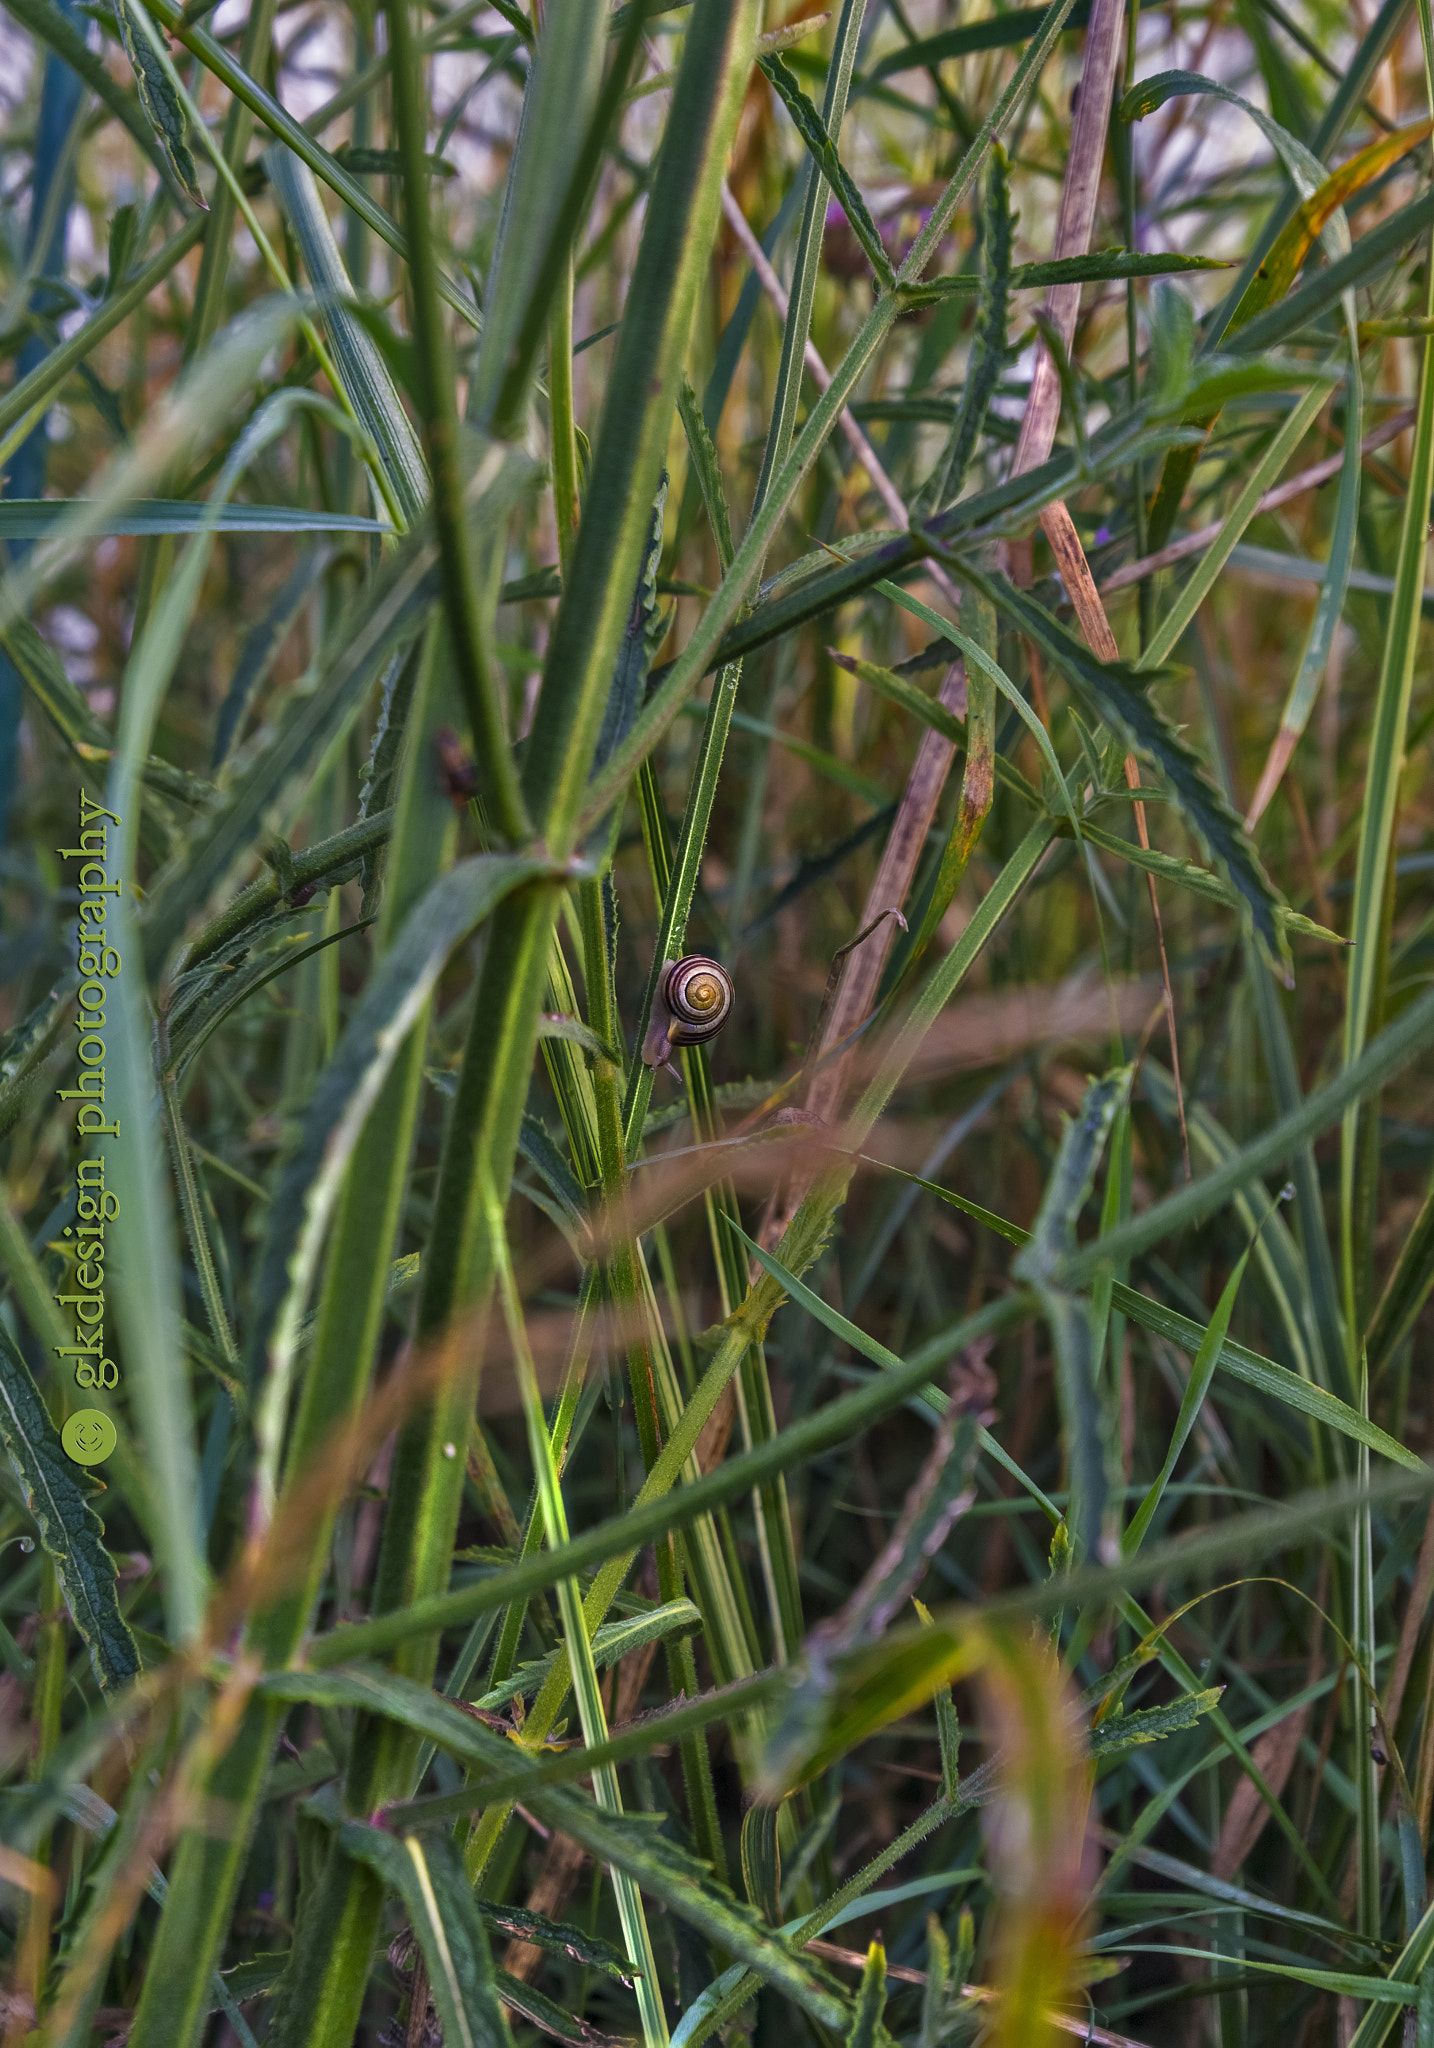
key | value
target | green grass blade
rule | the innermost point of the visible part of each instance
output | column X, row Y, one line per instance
column 1167, row 634
column 1202, row 1371
column 497, row 777
column 807, row 262
column 1406, row 1290
column 579, row 1648
column 428, row 1877
column 1378, row 816
column 395, row 998
column 1314, row 656
column 324, row 165
column 270, row 792
column 553, row 149
column 637, row 415
column 400, row 475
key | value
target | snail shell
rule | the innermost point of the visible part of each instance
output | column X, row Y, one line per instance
column 693, row 1001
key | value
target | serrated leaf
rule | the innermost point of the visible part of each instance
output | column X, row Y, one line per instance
column 548, row 2016
column 611, row 1642
column 866, row 2028
column 1173, row 867
column 1117, row 693
column 1104, row 266
column 558, row 1937
column 1152, row 1724
column 1082, row 1144
column 703, row 450
column 428, row 1876
column 159, row 99
column 70, row 1530
column 823, row 152
column 659, row 1865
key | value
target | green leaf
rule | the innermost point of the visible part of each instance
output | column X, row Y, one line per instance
column 428, row 1876
column 1406, row 1290
column 264, row 799
column 1105, row 266
column 61, row 33
column 1117, row 693
column 367, row 381
column 1305, row 170
column 1374, row 252
column 69, row 1528
column 1243, row 1364
column 557, row 1937
column 396, row 994
column 1191, row 1402
column 158, row 98
column 703, row 451
column 988, row 351
column 1173, row 867
column 995, row 32
column 866, row 2028
column 38, row 518
column 938, row 1979
column 547, row 2015
column 762, row 1861
column 1082, row 1144
column 1151, row 1724
column 612, row 1641
column 640, row 637
column 823, row 152
column 948, row 1724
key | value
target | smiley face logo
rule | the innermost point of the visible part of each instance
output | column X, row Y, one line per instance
column 89, row 1436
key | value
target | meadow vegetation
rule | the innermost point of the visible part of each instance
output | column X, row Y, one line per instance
column 904, row 1517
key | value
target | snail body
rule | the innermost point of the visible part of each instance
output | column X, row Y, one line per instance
column 693, row 1001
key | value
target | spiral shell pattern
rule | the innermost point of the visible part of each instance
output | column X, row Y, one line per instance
column 698, row 994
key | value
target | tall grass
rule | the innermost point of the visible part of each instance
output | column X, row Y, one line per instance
column 911, row 1520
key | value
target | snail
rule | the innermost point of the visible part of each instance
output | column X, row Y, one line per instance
column 693, row 1000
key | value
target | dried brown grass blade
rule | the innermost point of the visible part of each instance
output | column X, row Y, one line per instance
column 1079, row 193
